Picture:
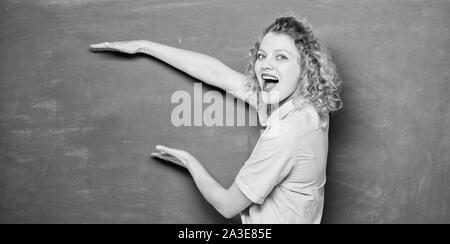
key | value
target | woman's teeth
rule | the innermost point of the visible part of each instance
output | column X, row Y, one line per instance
column 269, row 82
column 270, row 78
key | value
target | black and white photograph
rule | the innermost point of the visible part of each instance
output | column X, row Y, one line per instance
column 225, row 112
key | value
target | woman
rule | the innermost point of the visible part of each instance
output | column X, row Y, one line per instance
column 283, row 180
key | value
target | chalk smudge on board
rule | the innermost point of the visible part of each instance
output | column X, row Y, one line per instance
column 50, row 105
column 81, row 153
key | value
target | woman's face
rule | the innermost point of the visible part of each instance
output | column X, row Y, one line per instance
column 277, row 67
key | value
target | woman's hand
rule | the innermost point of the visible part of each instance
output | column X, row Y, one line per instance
column 130, row 47
column 176, row 156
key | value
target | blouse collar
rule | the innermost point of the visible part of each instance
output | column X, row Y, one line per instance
column 277, row 114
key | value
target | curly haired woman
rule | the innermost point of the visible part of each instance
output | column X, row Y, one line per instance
column 294, row 86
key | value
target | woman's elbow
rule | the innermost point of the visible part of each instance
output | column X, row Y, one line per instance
column 231, row 202
column 228, row 214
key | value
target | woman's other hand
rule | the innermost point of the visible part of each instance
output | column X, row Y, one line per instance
column 130, row 47
column 176, row 156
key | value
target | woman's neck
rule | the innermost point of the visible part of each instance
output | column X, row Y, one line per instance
column 271, row 108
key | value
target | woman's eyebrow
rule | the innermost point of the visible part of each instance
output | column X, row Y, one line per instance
column 283, row 50
column 277, row 50
column 261, row 50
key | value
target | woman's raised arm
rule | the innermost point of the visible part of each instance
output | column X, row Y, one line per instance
column 200, row 66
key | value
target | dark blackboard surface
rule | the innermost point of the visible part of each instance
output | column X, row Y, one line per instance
column 77, row 128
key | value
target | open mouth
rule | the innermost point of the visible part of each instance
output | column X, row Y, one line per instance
column 270, row 82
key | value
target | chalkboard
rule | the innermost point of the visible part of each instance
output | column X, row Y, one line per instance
column 77, row 128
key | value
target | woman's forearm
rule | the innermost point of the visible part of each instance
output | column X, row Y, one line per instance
column 203, row 67
column 228, row 202
column 211, row 190
column 200, row 66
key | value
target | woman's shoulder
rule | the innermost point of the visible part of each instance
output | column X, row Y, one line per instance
column 305, row 119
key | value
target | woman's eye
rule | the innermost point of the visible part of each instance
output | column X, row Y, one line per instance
column 260, row 56
column 281, row 57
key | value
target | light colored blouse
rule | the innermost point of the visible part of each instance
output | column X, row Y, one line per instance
column 285, row 174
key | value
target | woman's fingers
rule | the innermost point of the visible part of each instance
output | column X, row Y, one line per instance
column 163, row 148
column 98, row 45
column 180, row 155
column 174, row 152
column 101, row 46
column 111, row 46
column 129, row 47
column 168, row 157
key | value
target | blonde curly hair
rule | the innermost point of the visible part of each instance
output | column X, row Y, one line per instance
column 319, row 81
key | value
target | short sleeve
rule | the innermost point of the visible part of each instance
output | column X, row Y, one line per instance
column 269, row 163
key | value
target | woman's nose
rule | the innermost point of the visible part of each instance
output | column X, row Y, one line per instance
column 267, row 65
